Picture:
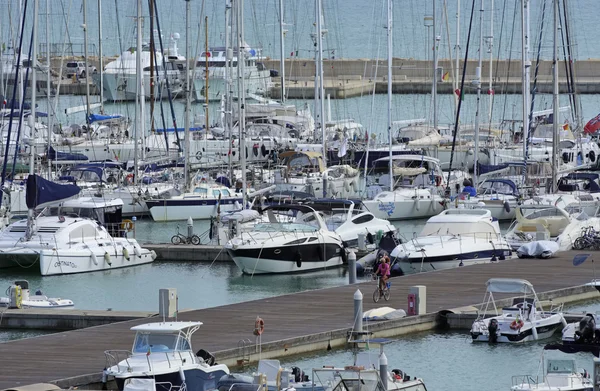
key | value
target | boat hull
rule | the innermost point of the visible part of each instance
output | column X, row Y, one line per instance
column 404, row 209
column 200, row 209
column 519, row 337
column 195, row 379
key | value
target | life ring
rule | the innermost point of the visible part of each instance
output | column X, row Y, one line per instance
column 516, row 324
column 259, row 326
column 127, row 225
column 129, row 179
column 199, row 155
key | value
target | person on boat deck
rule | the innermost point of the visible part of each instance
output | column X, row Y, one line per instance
column 468, row 188
column 383, row 271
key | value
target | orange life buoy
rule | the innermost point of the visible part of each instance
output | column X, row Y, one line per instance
column 259, row 326
column 516, row 324
column 129, row 178
column 127, row 225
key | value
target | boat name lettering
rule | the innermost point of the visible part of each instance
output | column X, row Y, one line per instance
column 387, row 207
column 65, row 263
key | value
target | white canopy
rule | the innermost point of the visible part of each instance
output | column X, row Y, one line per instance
column 509, row 285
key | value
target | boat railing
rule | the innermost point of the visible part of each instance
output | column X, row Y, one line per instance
column 531, row 381
column 245, row 387
column 115, row 357
column 121, row 358
column 168, row 386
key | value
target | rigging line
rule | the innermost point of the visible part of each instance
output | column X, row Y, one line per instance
column 566, row 63
column 12, row 105
column 462, row 91
column 535, row 79
column 497, row 71
column 32, row 129
column 505, row 86
column 162, row 111
column 121, row 48
column 179, row 149
column 570, row 71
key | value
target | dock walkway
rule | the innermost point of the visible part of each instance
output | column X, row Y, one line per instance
column 293, row 323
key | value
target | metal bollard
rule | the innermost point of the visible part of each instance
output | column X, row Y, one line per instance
column 190, row 227
column 362, row 241
column 134, row 219
column 351, row 266
column 358, row 311
column 383, row 369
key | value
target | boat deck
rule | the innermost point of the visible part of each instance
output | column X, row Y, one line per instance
column 80, row 352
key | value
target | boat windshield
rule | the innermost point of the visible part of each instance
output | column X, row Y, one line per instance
column 285, row 227
column 348, row 380
column 560, row 366
column 532, row 214
column 148, row 343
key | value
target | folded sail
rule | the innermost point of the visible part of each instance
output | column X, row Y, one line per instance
column 41, row 192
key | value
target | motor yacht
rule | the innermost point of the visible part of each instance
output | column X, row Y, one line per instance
column 559, row 375
column 70, row 235
column 499, row 196
column 549, row 222
column 453, row 238
column 286, row 245
column 162, row 359
column 524, row 320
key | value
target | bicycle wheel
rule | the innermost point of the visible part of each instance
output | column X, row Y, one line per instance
column 579, row 244
column 376, row 295
column 386, row 294
column 195, row 239
column 176, row 239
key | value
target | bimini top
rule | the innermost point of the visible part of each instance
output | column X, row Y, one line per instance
column 509, row 285
column 165, row 327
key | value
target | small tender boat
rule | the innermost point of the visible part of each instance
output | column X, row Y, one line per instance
column 525, row 320
column 162, row 359
column 20, row 297
column 560, row 375
column 585, row 332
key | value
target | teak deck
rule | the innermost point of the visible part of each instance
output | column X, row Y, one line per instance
column 79, row 352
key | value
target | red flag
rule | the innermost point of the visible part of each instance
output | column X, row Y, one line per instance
column 593, row 125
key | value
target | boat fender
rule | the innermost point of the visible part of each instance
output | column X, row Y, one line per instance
column 346, row 186
column 94, row 259
column 506, row 206
column 355, row 185
column 535, row 333
column 331, row 188
column 298, row 259
column 592, row 156
column 137, row 251
column 417, row 203
column 370, row 238
column 107, row 258
column 344, row 256
column 126, row 254
column 259, row 326
column 563, row 321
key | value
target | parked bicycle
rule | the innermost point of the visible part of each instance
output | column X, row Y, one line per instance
column 589, row 239
column 379, row 292
column 180, row 238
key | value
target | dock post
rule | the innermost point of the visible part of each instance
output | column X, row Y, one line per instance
column 351, row 266
column 134, row 219
column 383, row 369
column 358, row 311
column 190, row 227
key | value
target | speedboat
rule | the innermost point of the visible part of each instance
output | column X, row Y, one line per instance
column 20, row 297
column 162, row 359
column 70, row 235
column 524, row 320
column 549, row 222
column 560, row 375
column 299, row 244
column 499, row 196
column 455, row 237
column 584, row 332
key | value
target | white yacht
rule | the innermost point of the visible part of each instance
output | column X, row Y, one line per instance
column 455, row 237
column 560, row 375
column 120, row 76
column 499, row 196
column 549, row 222
column 21, row 297
column 525, row 320
column 74, row 236
column 300, row 245
column 257, row 79
column 162, row 359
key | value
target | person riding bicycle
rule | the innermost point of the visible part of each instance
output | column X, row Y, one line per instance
column 383, row 271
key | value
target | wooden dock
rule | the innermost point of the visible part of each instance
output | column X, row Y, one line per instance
column 294, row 323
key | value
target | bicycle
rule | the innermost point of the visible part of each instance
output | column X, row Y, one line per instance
column 180, row 238
column 379, row 293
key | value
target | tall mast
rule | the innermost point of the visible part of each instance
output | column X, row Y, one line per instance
column 321, row 87
column 491, row 50
column 100, row 59
column 478, row 106
column 188, row 99
column 282, row 50
column 525, row 81
column 139, row 116
column 87, row 74
column 206, row 92
column 242, row 94
column 389, row 87
column 229, row 84
column 153, row 78
column 555, row 103
column 457, row 52
column 48, row 87
column 435, row 66
column 32, row 136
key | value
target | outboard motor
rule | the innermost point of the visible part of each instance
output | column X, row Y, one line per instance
column 587, row 329
column 298, row 374
column 493, row 331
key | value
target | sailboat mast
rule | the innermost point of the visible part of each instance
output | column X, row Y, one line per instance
column 207, row 75
column 48, row 87
column 321, row 81
column 491, row 50
column 555, row 103
column 282, row 51
column 100, row 59
column 138, row 114
column 457, row 53
column 435, row 66
column 478, row 106
column 242, row 95
column 85, row 55
column 188, row 99
column 525, row 80
column 32, row 135
column 229, row 84
column 153, row 78
column 389, row 88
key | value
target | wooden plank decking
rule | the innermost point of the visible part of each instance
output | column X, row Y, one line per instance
column 79, row 352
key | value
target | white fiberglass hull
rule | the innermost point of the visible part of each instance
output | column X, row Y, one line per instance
column 403, row 209
column 122, row 86
column 249, row 265
column 169, row 210
column 256, row 83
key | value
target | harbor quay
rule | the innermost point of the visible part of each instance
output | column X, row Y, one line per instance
column 346, row 78
column 293, row 323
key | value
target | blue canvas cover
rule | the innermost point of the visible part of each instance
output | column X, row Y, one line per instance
column 41, row 192
column 65, row 156
column 99, row 117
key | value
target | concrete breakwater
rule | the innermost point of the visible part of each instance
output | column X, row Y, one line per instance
column 345, row 78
